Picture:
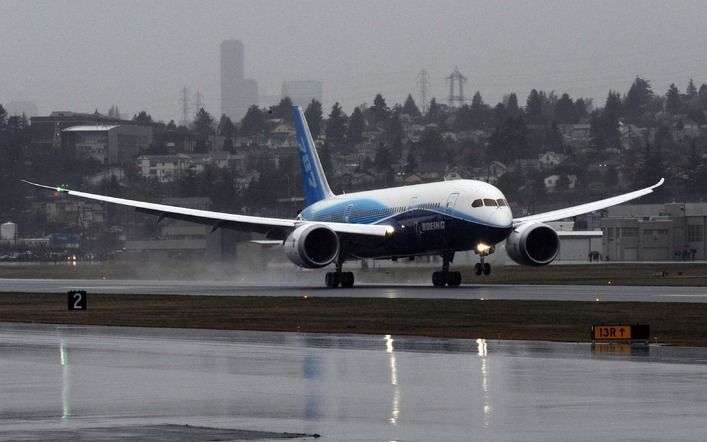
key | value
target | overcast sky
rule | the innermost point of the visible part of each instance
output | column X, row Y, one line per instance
column 83, row 55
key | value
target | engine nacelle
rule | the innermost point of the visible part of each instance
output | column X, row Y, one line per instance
column 312, row 246
column 533, row 244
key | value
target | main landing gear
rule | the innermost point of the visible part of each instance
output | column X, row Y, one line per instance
column 334, row 279
column 445, row 277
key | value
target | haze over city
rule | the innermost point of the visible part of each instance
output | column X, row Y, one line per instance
column 81, row 55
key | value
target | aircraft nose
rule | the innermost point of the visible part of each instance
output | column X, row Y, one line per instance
column 501, row 218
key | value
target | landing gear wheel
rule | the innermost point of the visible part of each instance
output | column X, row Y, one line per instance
column 454, row 279
column 487, row 269
column 347, row 279
column 331, row 279
column 478, row 269
column 438, row 279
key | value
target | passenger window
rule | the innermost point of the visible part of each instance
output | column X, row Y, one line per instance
column 489, row 202
column 501, row 202
column 477, row 203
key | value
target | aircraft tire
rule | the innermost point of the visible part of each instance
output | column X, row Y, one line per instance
column 478, row 269
column 347, row 279
column 454, row 279
column 487, row 269
column 331, row 279
column 438, row 279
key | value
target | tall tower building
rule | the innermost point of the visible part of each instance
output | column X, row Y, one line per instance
column 237, row 92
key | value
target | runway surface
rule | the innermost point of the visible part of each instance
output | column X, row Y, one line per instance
column 102, row 383
column 475, row 291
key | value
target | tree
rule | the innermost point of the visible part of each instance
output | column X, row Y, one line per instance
column 691, row 90
column 431, row 145
column 534, row 108
column 565, row 112
column 411, row 162
column 581, row 106
column 509, row 141
column 379, row 111
column 512, row 104
column 673, row 104
column 114, row 112
column 336, row 126
column 357, row 124
column 253, row 123
column 282, row 110
column 313, row 114
column 638, row 99
column 142, row 119
column 203, row 123
column 226, row 127
column 480, row 112
column 434, row 113
column 383, row 159
column 410, row 108
column 650, row 167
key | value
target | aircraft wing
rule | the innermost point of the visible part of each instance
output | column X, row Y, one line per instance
column 225, row 220
column 586, row 208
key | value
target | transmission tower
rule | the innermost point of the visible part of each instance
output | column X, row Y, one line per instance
column 198, row 101
column 456, row 78
column 423, row 80
column 185, row 102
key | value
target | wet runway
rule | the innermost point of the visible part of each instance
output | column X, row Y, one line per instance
column 476, row 291
column 345, row 388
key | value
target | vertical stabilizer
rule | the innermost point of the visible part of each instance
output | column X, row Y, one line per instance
column 314, row 181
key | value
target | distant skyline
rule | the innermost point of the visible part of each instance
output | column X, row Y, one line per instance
column 82, row 55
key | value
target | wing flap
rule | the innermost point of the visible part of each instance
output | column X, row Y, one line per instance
column 569, row 212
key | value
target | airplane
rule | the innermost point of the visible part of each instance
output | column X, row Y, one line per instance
column 438, row 219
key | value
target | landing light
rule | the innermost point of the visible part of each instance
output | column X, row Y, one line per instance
column 482, row 248
column 389, row 230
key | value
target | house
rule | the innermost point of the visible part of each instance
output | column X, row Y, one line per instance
column 552, row 180
column 550, row 159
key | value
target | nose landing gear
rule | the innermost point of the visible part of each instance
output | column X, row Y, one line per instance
column 482, row 267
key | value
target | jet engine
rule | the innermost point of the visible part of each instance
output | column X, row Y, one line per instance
column 312, row 246
column 533, row 244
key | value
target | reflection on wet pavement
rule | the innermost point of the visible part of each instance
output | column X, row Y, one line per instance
column 345, row 387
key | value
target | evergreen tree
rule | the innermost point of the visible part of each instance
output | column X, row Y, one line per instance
column 581, row 106
column 431, row 145
column 314, row 116
column 410, row 108
column 638, row 99
column 434, row 113
column 509, row 141
column 691, row 90
column 673, row 104
column 336, row 127
column 565, row 112
column 226, row 127
column 512, row 104
column 410, row 162
column 253, row 123
column 357, row 125
column 534, row 108
column 203, row 123
column 142, row 118
column 379, row 111
column 480, row 112
column 282, row 110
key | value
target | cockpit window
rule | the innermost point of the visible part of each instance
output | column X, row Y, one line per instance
column 501, row 202
column 477, row 203
column 490, row 202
